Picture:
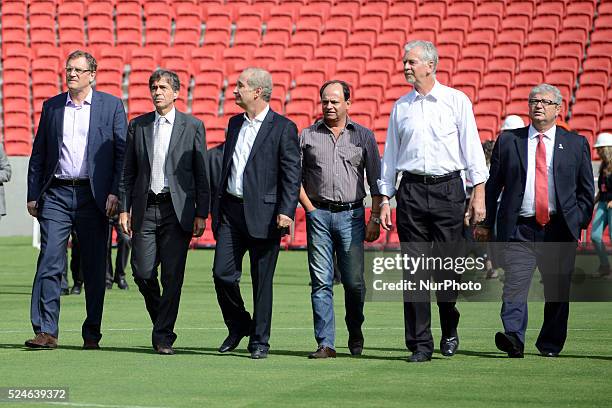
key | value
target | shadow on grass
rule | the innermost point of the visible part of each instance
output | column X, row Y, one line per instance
column 16, row 293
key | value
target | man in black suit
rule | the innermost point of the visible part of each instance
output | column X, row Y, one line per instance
column 546, row 177
column 254, row 206
column 73, row 176
column 164, row 185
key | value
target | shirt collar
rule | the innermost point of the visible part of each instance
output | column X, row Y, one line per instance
column 435, row 93
column 348, row 125
column 86, row 101
column 549, row 134
column 259, row 118
column 170, row 116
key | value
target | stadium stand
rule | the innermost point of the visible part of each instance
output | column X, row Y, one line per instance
column 494, row 51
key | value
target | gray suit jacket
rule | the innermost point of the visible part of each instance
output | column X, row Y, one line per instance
column 5, row 175
column 185, row 168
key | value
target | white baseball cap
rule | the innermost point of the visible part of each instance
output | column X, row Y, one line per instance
column 512, row 122
column 603, row 140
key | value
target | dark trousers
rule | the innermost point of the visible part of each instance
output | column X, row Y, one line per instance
column 233, row 240
column 61, row 209
column 123, row 253
column 429, row 214
column 161, row 240
column 75, row 263
column 553, row 250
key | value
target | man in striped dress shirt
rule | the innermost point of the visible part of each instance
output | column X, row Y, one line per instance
column 335, row 151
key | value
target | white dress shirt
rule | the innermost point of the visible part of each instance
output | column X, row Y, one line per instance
column 244, row 144
column 73, row 155
column 528, row 205
column 162, row 131
column 433, row 134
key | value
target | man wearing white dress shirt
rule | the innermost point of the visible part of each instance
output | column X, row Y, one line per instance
column 432, row 137
column 253, row 207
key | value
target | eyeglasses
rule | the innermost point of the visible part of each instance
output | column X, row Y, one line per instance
column 78, row 71
column 544, row 102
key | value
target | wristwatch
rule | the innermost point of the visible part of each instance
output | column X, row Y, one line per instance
column 376, row 220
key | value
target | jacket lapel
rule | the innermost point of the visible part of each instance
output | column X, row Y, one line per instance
column 230, row 145
column 264, row 131
column 58, row 117
column 149, row 130
column 177, row 132
column 558, row 152
column 521, row 147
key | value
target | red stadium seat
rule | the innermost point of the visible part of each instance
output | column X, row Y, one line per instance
column 569, row 36
column 591, row 92
column 531, row 78
column 493, row 9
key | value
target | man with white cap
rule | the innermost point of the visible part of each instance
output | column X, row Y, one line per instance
column 512, row 122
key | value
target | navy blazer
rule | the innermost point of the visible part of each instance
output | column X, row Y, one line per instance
column 271, row 181
column 105, row 145
column 573, row 175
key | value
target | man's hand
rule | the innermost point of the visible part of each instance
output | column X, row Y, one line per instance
column 476, row 211
column 609, row 204
column 32, row 209
column 199, row 224
column 482, row 234
column 126, row 223
column 282, row 221
column 111, row 205
column 385, row 216
column 372, row 231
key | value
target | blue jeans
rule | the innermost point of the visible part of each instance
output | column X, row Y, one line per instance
column 341, row 233
column 603, row 217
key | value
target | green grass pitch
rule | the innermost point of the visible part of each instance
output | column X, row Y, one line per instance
column 126, row 372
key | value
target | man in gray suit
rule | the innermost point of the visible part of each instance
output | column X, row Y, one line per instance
column 164, row 185
column 5, row 176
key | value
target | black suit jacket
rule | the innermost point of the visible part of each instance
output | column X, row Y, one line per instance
column 185, row 168
column 573, row 175
column 105, row 145
column 271, row 181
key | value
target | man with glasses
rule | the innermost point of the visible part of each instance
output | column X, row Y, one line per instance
column 546, row 177
column 73, row 179
column 432, row 137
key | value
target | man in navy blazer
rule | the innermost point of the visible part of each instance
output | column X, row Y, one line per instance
column 254, row 205
column 545, row 177
column 73, row 179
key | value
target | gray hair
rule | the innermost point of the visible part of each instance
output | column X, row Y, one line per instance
column 260, row 78
column 428, row 51
column 547, row 88
column 92, row 64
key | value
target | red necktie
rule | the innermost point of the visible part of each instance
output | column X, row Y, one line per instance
column 541, row 183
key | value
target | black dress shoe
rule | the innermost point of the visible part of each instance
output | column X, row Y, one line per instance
column 231, row 342
column 449, row 346
column 76, row 289
column 355, row 345
column 259, row 352
column 164, row 350
column 419, row 357
column 64, row 292
column 91, row 345
column 549, row 354
column 109, row 285
column 122, row 283
column 509, row 343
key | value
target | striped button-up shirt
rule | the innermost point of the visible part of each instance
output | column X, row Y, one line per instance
column 333, row 169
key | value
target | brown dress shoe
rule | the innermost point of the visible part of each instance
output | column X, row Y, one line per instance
column 323, row 352
column 91, row 345
column 164, row 350
column 42, row 341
